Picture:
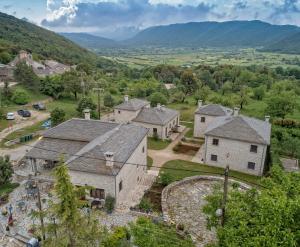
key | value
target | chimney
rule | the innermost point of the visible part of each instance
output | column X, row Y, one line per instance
column 200, row 103
column 158, row 106
column 267, row 119
column 126, row 98
column 87, row 114
column 236, row 111
column 109, row 157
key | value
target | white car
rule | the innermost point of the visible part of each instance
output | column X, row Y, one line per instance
column 10, row 116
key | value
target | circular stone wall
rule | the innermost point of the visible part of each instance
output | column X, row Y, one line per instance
column 182, row 202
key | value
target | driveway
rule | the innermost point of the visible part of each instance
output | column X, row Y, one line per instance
column 160, row 157
column 20, row 123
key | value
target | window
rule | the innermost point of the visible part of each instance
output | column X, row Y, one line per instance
column 202, row 119
column 154, row 130
column 251, row 165
column 215, row 142
column 214, row 157
column 253, row 149
column 97, row 193
column 143, row 150
column 119, row 112
column 120, row 185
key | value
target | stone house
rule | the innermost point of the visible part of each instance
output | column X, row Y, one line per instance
column 110, row 157
column 160, row 120
column 6, row 72
column 206, row 114
column 238, row 141
column 129, row 109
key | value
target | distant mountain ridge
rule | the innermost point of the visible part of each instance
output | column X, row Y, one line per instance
column 214, row 34
column 255, row 34
column 89, row 41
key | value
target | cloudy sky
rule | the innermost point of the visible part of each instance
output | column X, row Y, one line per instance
column 111, row 17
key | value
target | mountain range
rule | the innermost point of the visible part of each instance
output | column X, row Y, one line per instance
column 257, row 34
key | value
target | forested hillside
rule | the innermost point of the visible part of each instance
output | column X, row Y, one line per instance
column 214, row 34
column 289, row 44
column 16, row 34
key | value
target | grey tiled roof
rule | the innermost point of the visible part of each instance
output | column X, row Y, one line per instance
column 132, row 105
column 156, row 116
column 89, row 156
column 241, row 128
column 80, row 130
column 214, row 110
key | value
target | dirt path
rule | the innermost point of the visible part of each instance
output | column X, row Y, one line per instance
column 36, row 116
column 160, row 157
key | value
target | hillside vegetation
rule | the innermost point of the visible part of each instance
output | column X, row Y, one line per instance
column 16, row 34
column 289, row 45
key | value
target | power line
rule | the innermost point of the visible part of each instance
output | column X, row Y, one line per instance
column 136, row 164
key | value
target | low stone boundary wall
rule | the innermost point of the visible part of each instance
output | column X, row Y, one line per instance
column 166, row 190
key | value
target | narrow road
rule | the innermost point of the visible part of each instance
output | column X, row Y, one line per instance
column 160, row 157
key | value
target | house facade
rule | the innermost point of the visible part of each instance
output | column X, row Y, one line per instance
column 238, row 141
column 205, row 115
column 160, row 120
column 110, row 157
column 129, row 109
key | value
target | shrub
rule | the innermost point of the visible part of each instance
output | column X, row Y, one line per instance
column 165, row 179
column 20, row 97
column 109, row 204
column 57, row 116
column 145, row 205
column 158, row 97
column 108, row 100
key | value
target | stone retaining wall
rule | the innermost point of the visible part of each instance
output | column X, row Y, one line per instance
column 166, row 190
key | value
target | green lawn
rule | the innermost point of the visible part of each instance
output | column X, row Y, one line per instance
column 188, row 169
column 186, row 110
column 68, row 105
column 19, row 133
column 8, row 188
column 157, row 144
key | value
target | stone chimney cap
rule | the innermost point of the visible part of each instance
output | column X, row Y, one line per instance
column 236, row 111
column 267, row 119
column 200, row 101
column 126, row 98
column 86, row 110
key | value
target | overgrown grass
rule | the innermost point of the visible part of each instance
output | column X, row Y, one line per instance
column 7, row 188
column 157, row 144
column 68, row 105
column 179, row 169
column 186, row 110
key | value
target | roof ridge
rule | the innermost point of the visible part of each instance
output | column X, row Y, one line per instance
column 98, row 141
column 255, row 119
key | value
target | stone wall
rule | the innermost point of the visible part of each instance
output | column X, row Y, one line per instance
column 166, row 190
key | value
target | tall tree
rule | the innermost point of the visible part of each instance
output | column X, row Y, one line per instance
column 58, row 115
column 25, row 74
column 188, row 82
column 6, row 170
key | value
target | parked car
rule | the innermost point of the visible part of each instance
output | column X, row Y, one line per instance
column 39, row 106
column 10, row 116
column 24, row 113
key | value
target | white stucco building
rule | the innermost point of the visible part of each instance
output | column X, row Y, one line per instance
column 110, row 157
column 160, row 120
column 238, row 141
column 205, row 115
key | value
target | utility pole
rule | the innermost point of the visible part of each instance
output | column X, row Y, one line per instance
column 99, row 90
column 40, row 209
column 226, row 174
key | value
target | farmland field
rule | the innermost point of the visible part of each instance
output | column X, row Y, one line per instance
column 142, row 57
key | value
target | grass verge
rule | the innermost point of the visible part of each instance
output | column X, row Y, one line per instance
column 7, row 188
column 157, row 144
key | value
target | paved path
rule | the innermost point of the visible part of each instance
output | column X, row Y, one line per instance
column 160, row 157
